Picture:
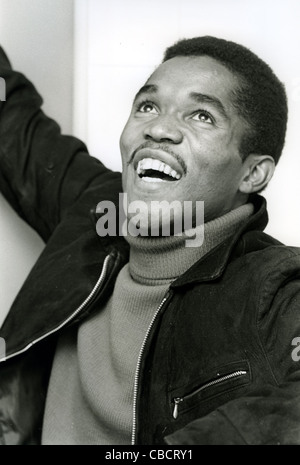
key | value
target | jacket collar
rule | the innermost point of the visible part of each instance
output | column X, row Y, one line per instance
column 212, row 265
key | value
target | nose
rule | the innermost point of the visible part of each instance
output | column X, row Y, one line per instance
column 163, row 129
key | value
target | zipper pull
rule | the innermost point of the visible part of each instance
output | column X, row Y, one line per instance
column 177, row 401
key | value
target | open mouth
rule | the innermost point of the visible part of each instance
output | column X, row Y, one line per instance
column 153, row 170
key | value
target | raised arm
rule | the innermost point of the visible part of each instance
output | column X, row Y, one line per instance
column 42, row 172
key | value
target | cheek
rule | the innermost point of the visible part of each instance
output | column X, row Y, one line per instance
column 123, row 141
column 126, row 135
column 125, row 149
column 130, row 131
column 216, row 155
column 214, row 172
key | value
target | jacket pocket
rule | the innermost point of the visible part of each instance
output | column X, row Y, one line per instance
column 221, row 380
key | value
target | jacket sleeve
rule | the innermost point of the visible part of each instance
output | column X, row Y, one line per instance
column 268, row 415
column 42, row 172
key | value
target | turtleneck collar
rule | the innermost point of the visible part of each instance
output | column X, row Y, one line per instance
column 160, row 260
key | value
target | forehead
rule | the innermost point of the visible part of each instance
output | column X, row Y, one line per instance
column 188, row 74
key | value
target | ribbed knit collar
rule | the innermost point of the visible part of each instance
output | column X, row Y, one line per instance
column 159, row 260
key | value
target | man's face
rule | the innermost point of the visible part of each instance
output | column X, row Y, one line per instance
column 182, row 138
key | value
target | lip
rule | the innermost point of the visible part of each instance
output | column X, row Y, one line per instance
column 161, row 155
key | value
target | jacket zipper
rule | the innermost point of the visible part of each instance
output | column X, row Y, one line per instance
column 84, row 304
column 179, row 400
column 138, row 368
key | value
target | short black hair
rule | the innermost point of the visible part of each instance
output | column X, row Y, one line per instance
column 260, row 99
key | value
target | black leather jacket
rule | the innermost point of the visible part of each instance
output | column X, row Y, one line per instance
column 216, row 366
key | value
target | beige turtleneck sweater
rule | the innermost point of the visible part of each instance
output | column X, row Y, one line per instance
column 90, row 395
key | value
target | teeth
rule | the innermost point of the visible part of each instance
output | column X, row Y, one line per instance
column 156, row 165
column 147, row 179
column 152, row 164
column 167, row 169
column 139, row 169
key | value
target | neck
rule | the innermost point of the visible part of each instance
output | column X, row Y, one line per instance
column 157, row 260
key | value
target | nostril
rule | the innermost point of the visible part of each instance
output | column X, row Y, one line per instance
column 158, row 139
column 163, row 133
column 162, row 139
column 166, row 140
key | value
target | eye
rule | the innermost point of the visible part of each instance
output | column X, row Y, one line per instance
column 147, row 107
column 203, row 116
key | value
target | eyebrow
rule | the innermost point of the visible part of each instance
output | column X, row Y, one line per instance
column 214, row 101
column 197, row 96
column 147, row 89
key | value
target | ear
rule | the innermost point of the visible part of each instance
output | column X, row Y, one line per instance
column 258, row 172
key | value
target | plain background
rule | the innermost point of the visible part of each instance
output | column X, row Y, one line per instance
column 89, row 57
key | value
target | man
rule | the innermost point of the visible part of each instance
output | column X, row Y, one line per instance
column 141, row 339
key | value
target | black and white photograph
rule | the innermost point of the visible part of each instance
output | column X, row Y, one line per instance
column 149, row 225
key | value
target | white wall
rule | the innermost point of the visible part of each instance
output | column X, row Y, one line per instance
column 122, row 41
column 38, row 37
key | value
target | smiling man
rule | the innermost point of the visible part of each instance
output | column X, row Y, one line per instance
column 140, row 339
column 184, row 134
column 184, row 119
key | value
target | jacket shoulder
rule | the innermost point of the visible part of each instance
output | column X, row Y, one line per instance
column 270, row 266
column 266, row 247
